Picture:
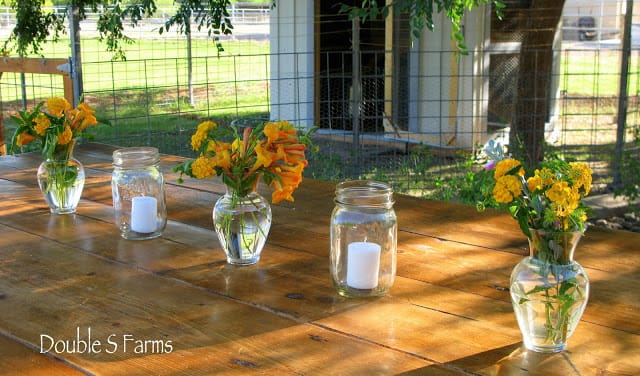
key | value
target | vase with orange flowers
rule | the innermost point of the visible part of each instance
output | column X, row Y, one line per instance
column 53, row 128
column 549, row 289
column 273, row 152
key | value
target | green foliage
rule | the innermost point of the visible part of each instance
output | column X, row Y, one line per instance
column 475, row 186
column 34, row 25
column 211, row 14
column 111, row 28
column 421, row 14
column 630, row 167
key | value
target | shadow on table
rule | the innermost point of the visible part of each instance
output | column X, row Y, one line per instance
column 509, row 360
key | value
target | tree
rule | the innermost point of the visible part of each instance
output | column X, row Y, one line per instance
column 538, row 24
column 35, row 25
column 535, row 20
column 421, row 13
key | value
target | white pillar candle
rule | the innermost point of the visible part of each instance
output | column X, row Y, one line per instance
column 363, row 262
column 144, row 213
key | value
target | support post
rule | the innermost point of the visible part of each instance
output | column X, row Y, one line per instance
column 40, row 66
column 623, row 97
column 356, row 85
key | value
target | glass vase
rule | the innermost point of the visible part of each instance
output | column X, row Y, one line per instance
column 61, row 182
column 549, row 291
column 242, row 224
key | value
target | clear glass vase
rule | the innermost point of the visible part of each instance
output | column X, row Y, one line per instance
column 242, row 224
column 549, row 291
column 61, row 182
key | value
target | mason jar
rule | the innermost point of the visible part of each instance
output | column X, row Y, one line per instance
column 137, row 186
column 363, row 239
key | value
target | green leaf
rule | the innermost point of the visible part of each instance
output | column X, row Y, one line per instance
column 537, row 289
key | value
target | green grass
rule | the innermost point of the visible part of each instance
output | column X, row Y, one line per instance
column 595, row 73
column 145, row 99
column 146, row 96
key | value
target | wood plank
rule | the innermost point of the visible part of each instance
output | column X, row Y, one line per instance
column 18, row 359
column 208, row 333
column 451, row 264
column 448, row 312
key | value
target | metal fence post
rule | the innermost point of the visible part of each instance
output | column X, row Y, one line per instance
column 356, row 88
column 76, row 61
column 623, row 97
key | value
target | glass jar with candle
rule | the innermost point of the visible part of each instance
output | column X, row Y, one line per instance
column 137, row 185
column 363, row 239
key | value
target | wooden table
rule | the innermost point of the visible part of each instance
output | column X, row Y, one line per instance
column 173, row 306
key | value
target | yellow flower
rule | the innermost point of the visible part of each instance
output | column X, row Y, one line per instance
column 507, row 188
column 559, row 192
column 505, row 166
column 223, row 159
column 42, row 124
column 201, row 134
column 236, row 145
column 534, row 183
column 580, row 173
column 203, row 168
column 57, row 106
column 547, row 177
column 66, row 136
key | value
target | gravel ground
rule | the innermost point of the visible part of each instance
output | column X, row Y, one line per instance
column 628, row 221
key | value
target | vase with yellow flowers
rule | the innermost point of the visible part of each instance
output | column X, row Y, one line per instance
column 273, row 152
column 549, row 289
column 53, row 128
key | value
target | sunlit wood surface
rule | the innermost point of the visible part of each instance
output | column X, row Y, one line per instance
column 172, row 305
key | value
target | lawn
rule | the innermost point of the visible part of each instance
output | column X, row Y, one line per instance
column 146, row 99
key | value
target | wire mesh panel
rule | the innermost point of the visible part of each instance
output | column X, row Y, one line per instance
column 157, row 97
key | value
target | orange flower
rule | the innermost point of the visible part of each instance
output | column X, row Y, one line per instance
column 263, row 158
column 24, row 138
column 84, row 117
column 272, row 152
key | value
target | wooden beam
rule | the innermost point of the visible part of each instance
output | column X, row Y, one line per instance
column 3, row 144
column 34, row 65
column 37, row 66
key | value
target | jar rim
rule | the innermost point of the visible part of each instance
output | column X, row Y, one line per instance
column 371, row 186
column 135, row 156
column 364, row 192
